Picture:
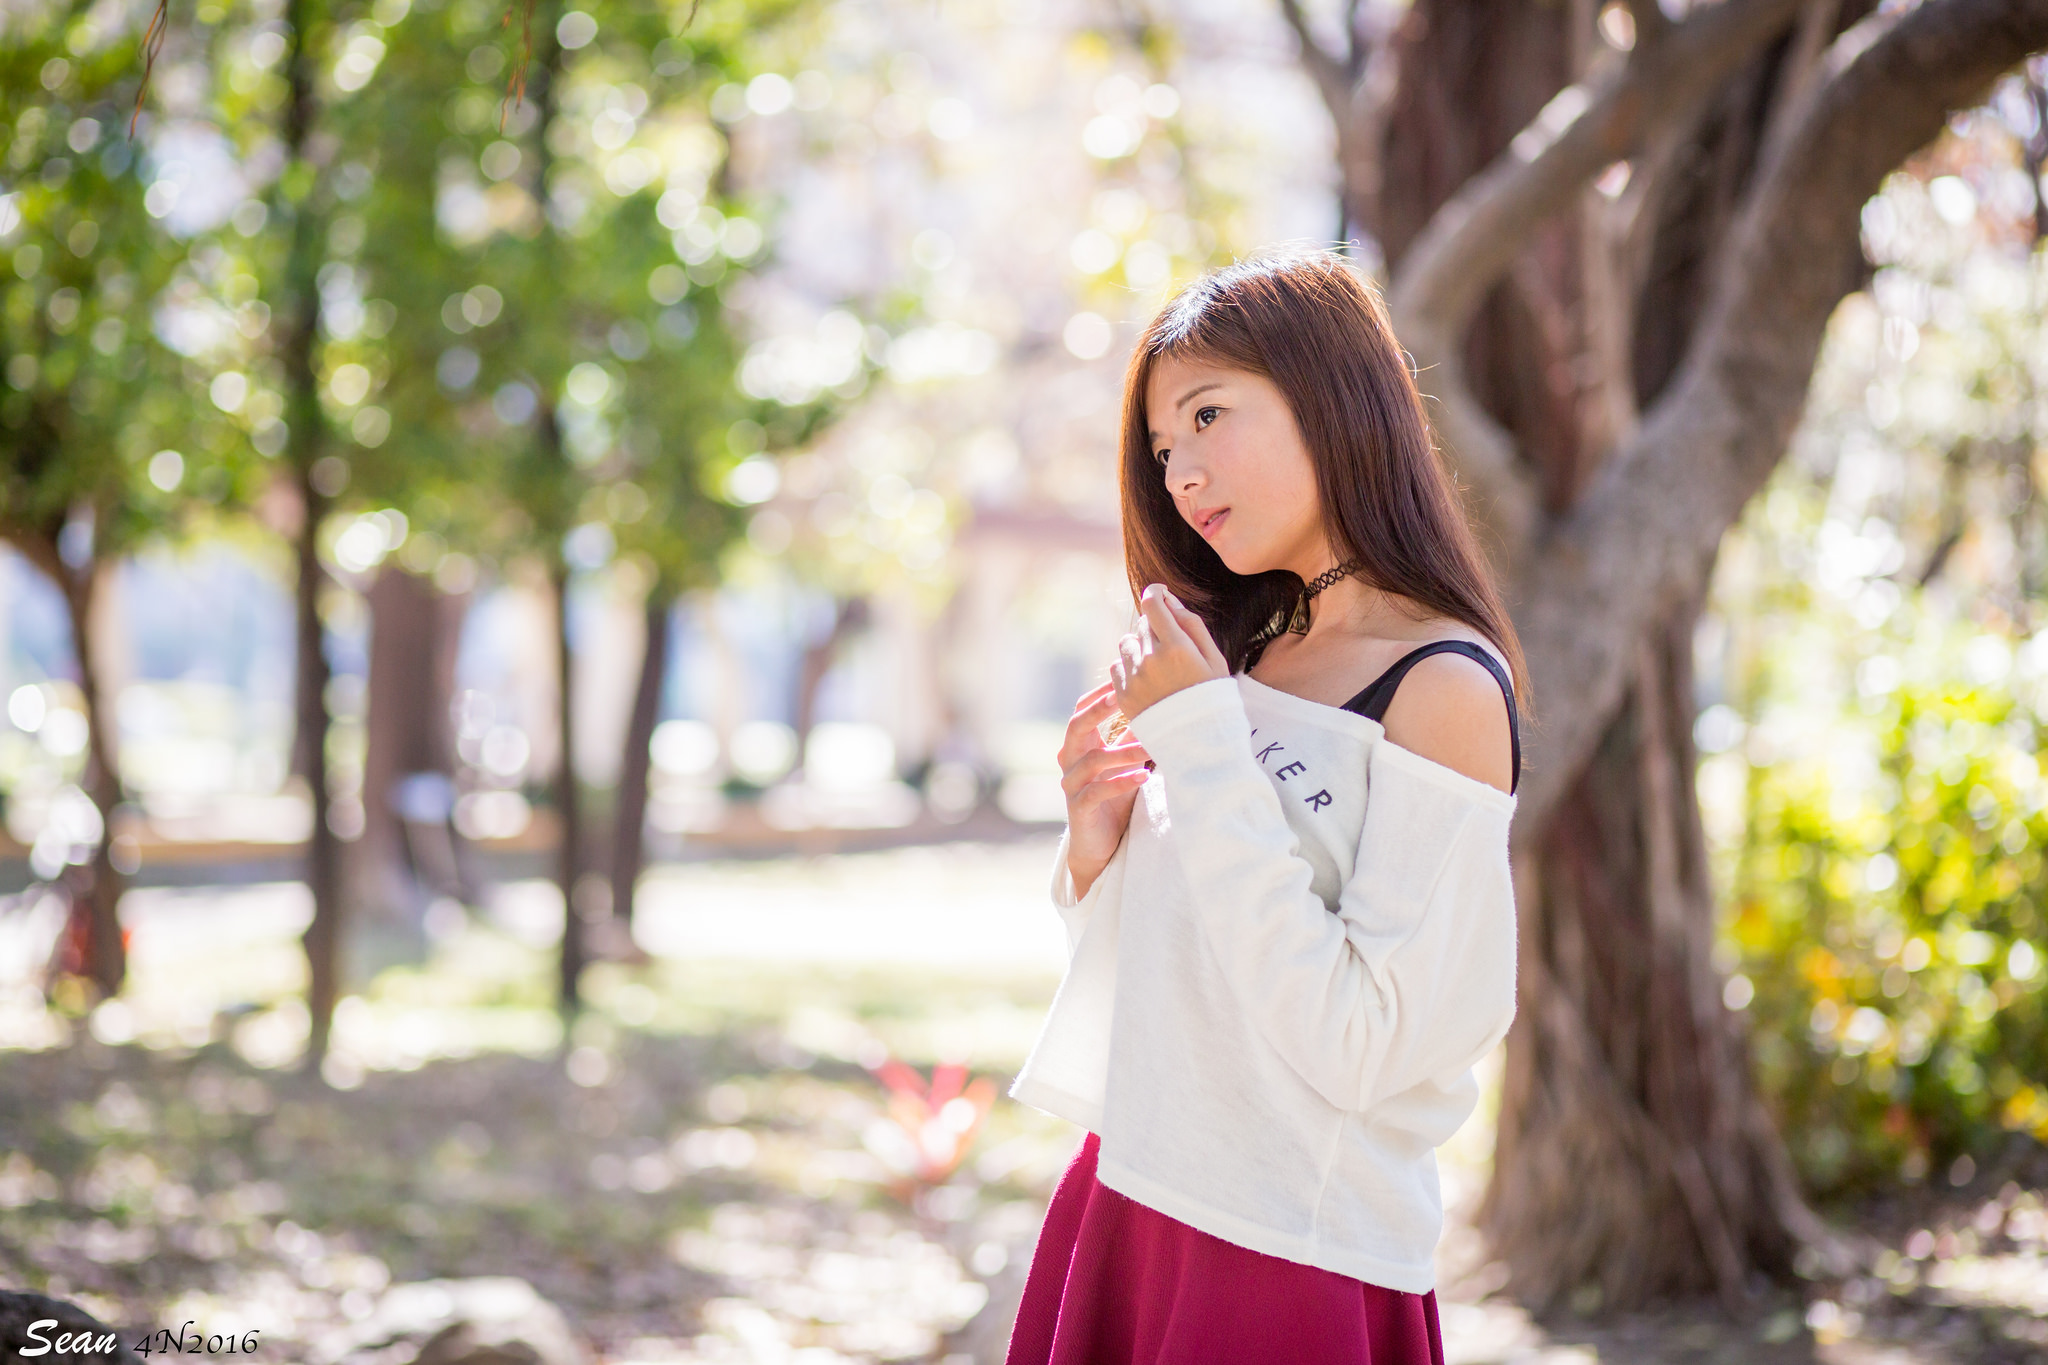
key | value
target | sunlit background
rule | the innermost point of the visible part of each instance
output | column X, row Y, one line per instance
column 838, row 298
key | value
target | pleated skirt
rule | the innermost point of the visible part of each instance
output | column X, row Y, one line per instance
column 1113, row 1282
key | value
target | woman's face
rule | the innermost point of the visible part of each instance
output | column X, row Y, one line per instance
column 1236, row 465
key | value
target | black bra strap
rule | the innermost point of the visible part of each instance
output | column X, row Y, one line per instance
column 1372, row 703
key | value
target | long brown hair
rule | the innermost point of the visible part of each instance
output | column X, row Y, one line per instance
column 1320, row 333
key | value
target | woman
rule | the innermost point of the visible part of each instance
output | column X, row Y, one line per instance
column 1278, row 986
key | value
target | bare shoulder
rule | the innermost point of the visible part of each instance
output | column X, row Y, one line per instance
column 1451, row 710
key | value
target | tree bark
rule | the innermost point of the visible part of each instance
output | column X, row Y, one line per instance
column 1358, row 84
column 1629, row 1170
column 1643, row 535
column 553, row 513
column 1612, row 386
column 849, row 616
column 1708, row 1162
column 96, row 895
column 1497, row 226
column 322, row 939
column 630, row 829
column 299, row 327
column 414, row 631
column 107, row 955
column 568, row 805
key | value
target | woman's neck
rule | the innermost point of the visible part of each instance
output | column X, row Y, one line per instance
column 1350, row 606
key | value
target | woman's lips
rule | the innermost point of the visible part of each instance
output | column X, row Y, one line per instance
column 1208, row 528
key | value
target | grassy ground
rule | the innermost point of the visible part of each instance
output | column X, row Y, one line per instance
column 686, row 1195
column 708, row 1168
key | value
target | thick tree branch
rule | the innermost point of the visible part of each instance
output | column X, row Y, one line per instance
column 1333, row 72
column 1470, row 242
column 1802, row 71
column 38, row 548
column 1647, row 531
column 1357, row 86
column 1473, row 239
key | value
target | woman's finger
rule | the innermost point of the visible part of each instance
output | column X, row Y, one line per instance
column 1131, row 752
column 1095, row 767
column 1131, row 653
column 1096, row 764
column 1094, row 707
column 1114, row 787
column 1166, row 628
column 1083, row 727
column 1198, row 631
column 1177, row 627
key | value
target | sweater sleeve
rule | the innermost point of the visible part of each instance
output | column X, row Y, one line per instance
column 1412, row 980
column 1075, row 911
column 1063, row 895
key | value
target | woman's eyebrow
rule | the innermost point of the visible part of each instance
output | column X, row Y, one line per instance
column 1215, row 383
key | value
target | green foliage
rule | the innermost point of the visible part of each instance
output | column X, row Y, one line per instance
column 555, row 351
column 91, row 393
column 1874, row 785
column 1892, row 930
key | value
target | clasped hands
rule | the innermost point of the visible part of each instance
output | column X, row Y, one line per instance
column 1171, row 649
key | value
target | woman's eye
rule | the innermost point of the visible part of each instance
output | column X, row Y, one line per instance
column 1204, row 416
column 1160, row 455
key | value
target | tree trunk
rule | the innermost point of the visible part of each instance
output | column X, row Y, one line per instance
column 405, row 856
column 96, row 892
column 1627, row 1167
column 1627, row 1080
column 629, row 831
column 1628, row 1161
column 323, row 848
column 849, row 615
column 94, row 929
column 107, row 959
column 568, row 805
column 553, row 513
column 298, row 332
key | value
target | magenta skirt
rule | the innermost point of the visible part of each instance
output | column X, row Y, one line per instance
column 1116, row 1283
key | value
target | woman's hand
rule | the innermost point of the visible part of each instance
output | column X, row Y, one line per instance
column 1171, row 649
column 1101, row 782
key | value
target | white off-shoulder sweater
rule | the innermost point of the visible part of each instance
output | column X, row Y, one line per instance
column 1278, row 986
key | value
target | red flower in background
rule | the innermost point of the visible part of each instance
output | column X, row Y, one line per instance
column 929, row 1125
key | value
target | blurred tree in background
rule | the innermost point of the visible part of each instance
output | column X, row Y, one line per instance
column 105, row 438
column 565, row 373
column 503, row 343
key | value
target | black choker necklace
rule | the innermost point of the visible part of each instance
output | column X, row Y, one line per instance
column 1295, row 618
